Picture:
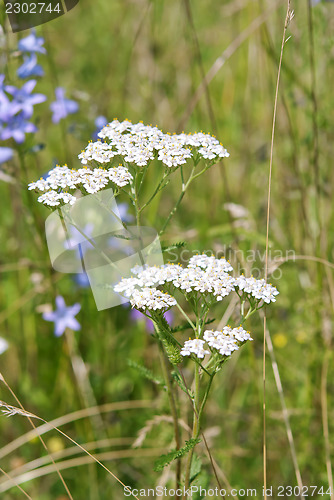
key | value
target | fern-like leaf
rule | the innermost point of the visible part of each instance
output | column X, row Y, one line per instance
column 173, row 455
column 174, row 246
column 145, row 372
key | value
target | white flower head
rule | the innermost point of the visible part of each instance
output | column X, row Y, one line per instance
column 50, row 198
column 195, row 346
column 227, row 340
column 210, row 262
column 151, row 299
column 137, row 144
column 258, row 289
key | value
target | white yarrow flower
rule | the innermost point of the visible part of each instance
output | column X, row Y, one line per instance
column 137, row 144
column 50, row 198
column 227, row 340
column 258, row 289
column 195, row 346
column 152, row 299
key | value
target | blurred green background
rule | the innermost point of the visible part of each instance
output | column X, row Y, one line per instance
column 145, row 60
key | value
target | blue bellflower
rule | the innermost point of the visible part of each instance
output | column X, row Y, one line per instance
column 30, row 67
column 25, row 98
column 62, row 106
column 7, row 108
column 32, row 43
column 16, row 128
column 63, row 316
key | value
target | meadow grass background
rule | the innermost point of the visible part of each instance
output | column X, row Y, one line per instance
column 144, row 61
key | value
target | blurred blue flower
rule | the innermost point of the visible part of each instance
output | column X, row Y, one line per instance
column 5, row 154
column 62, row 107
column 63, row 316
column 80, row 242
column 2, row 79
column 25, row 98
column 136, row 315
column 82, row 280
column 30, row 67
column 100, row 122
column 17, row 127
column 123, row 212
column 32, row 43
column 7, row 108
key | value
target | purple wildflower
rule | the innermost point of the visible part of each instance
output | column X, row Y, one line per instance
column 25, row 98
column 62, row 106
column 82, row 280
column 30, row 67
column 17, row 127
column 7, row 108
column 32, row 43
column 63, row 316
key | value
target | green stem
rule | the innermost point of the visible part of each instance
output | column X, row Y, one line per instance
column 184, row 188
column 158, row 188
column 206, row 396
column 164, row 365
column 136, row 205
column 187, row 317
column 250, row 313
column 198, row 411
column 196, row 428
column 143, row 173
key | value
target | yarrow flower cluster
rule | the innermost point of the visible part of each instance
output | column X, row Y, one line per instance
column 152, row 299
column 139, row 144
column 134, row 145
column 203, row 275
column 195, row 346
column 258, row 289
column 204, row 281
column 85, row 179
column 225, row 342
